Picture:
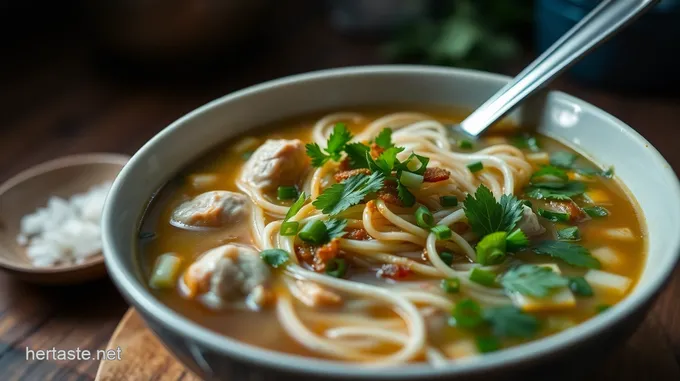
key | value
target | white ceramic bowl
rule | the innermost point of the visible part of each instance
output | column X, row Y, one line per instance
column 582, row 126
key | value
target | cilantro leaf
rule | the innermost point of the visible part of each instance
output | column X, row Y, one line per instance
column 295, row 208
column 485, row 215
column 407, row 198
column 314, row 152
column 356, row 152
column 341, row 196
column 384, row 138
column 509, row 321
column 532, row 280
column 516, row 240
column 335, row 227
column 387, row 161
column 336, row 142
column 571, row 253
column 553, row 191
column 562, row 159
column 512, row 212
column 275, row 257
column 569, row 234
column 549, row 173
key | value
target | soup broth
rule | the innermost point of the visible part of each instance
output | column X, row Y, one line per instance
column 568, row 246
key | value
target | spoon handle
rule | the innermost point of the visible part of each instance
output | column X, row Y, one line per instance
column 600, row 24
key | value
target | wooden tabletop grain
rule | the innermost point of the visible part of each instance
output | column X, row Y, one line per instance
column 56, row 98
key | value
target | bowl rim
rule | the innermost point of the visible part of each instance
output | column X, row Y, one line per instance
column 152, row 309
column 48, row 166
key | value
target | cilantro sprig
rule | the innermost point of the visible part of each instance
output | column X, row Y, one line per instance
column 341, row 196
column 336, row 144
column 386, row 166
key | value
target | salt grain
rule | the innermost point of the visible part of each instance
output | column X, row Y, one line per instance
column 65, row 231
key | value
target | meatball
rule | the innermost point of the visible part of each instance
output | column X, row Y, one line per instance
column 276, row 162
column 230, row 273
column 529, row 223
column 211, row 209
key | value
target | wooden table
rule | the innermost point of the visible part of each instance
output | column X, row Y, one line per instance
column 54, row 100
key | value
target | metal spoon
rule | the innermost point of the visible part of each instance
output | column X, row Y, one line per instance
column 603, row 22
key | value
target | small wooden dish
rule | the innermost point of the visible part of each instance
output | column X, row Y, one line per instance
column 29, row 190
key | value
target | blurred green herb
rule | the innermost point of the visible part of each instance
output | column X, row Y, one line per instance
column 465, row 33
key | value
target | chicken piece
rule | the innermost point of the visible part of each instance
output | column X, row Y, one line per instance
column 211, row 209
column 314, row 295
column 529, row 223
column 230, row 272
column 276, row 162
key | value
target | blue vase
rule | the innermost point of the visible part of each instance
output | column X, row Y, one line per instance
column 644, row 56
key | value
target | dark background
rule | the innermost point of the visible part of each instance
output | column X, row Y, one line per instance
column 105, row 76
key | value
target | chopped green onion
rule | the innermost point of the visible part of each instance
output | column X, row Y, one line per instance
column 411, row 180
column 451, row 285
column 297, row 205
column 314, row 232
column 516, row 241
column 525, row 141
column 475, row 167
column 165, row 272
column 464, row 144
column 448, row 201
column 483, row 277
column 441, row 232
column 446, row 257
column 336, row 267
column 602, row 307
column 289, row 228
column 486, row 344
column 553, row 216
column 275, row 257
column 424, row 218
column 467, row 314
column 596, row 211
column 491, row 249
column 579, row 286
column 569, row 234
column 286, row 193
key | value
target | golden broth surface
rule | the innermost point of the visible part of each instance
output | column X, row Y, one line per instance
column 262, row 328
